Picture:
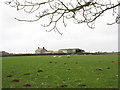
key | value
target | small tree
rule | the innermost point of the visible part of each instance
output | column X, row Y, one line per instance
column 80, row 11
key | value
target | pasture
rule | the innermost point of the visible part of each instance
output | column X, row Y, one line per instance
column 76, row 71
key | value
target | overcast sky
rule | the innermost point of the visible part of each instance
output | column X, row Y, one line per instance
column 22, row 37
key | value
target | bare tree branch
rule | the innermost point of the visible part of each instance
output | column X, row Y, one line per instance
column 80, row 11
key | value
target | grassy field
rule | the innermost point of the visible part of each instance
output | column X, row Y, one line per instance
column 78, row 71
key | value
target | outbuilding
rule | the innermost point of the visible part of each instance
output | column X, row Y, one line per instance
column 71, row 51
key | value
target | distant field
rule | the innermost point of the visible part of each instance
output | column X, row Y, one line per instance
column 78, row 71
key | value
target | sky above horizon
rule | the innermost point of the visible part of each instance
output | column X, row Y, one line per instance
column 24, row 37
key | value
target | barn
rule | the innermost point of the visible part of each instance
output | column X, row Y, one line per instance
column 71, row 51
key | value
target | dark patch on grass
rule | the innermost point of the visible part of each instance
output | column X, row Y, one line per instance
column 40, row 71
column 27, row 85
column 108, row 68
column 69, row 69
column 55, row 62
column 113, row 61
column 27, row 74
column 10, row 76
column 15, row 80
column 65, row 63
column 63, row 85
column 76, row 62
column 81, row 85
column 50, row 62
column 99, row 69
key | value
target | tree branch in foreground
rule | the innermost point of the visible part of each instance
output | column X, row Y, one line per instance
column 80, row 11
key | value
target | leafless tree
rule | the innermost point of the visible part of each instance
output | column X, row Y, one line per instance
column 80, row 11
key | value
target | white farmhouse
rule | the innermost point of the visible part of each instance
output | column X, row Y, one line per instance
column 40, row 50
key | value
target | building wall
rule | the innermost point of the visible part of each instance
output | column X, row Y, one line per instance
column 40, row 50
column 62, row 51
column 71, row 51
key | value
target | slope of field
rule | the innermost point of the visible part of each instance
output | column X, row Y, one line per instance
column 78, row 71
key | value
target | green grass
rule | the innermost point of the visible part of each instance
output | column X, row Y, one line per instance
column 82, row 70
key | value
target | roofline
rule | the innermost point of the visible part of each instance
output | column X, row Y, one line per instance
column 70, row 48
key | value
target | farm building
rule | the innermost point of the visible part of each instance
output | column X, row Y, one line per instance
column 40, row 50
column 65, row 51
column 3, row 53
column 71, row 51
column 43, row 51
